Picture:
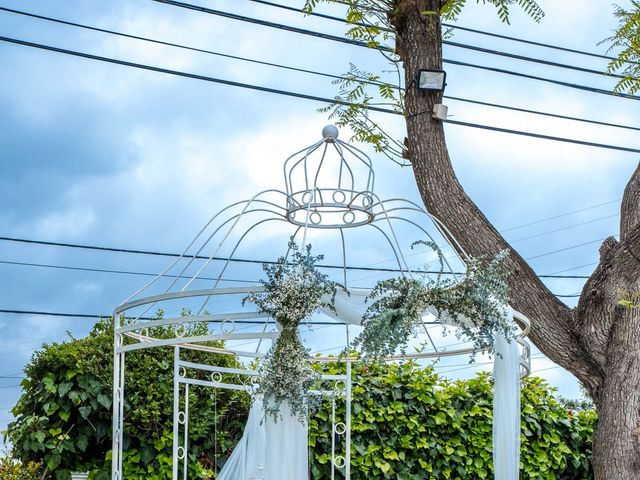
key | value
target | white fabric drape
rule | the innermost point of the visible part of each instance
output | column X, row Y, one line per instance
column 269, row 450
column 287, row 452
column 249, row 455
column 349, row 307
column 506, row 407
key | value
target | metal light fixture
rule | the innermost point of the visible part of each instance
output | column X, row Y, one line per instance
column 431, row 80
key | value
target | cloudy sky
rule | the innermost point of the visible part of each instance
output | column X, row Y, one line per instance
column 99, row 154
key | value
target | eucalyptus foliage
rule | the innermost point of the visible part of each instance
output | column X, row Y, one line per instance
column 294, row 290
column 475, row 304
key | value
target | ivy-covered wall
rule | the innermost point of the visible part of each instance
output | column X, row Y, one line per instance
column 407, row 422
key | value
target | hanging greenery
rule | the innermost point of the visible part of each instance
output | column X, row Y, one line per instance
column 474, row 304
column 293, row 291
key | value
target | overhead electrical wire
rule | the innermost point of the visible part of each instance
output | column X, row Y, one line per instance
column 555, row 274
column 297, row 95
column 238, row 260
column 120, row 272
column 301, row 70
column 553, row 252
column 554, row 217
column 148, row 274
column 562, row 229
column 446, row 25
column 533, row 42
column 335, row 38
column 447, row 42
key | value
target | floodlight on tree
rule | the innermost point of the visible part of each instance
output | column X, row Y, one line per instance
column 431, row 80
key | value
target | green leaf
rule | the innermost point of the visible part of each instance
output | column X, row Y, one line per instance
column 53, row 461
column 104, row 401
column 84, row 411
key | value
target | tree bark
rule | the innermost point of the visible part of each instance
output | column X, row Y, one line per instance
column 599, row 340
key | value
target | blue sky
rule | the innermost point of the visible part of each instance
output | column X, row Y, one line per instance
column 101, row 154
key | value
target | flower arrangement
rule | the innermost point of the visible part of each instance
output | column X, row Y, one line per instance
column 294, row 290
column 474, row 304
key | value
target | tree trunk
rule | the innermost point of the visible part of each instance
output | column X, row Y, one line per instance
column 599, row 340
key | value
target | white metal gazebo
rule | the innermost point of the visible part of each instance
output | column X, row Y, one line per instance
column 329, row 200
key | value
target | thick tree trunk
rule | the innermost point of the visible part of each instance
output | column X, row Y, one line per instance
column 599, row 341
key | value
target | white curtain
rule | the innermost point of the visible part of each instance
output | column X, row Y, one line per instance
column 287, row 453
column 506, row 407
column 349, row 307
column 248, row 458
column 269, row 450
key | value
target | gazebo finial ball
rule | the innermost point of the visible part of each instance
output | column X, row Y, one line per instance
column 330, row 131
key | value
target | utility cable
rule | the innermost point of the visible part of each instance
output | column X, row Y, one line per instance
column 297, row 95
column 555, row 274
column 554, row 217
column 541, row 136
column 449, row 42
column 297, row 69
column 553, row 252
column 545, row 114
column 335, row 38
column 203, row 257
column 120, row 272
column 446, row 25
column 562, row 229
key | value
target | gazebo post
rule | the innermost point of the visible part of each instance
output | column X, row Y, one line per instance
column 176, row 410
column 347, row 472
column 118, row 401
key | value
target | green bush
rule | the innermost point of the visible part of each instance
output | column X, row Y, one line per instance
column 407, row 423
column 63, row 417
column 12, row 469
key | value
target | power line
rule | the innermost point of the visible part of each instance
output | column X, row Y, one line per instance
column 169, row 44
column 295, row 94
column 198, row 257
column 531, row 42
column 541, row 136
column 449, row 42
column 561, row 229
column 546, row 114
column 447, row 25
column 297, row 69
column 554, row 217
column 553, row 252
column 554, row 274
column 129, row 272
column 121, row 272
column 96, row 316
column 335, row 38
